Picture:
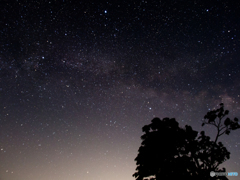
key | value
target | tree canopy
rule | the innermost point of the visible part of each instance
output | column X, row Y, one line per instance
column 168, row 151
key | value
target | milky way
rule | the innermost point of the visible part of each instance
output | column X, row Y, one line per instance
column 78, row 81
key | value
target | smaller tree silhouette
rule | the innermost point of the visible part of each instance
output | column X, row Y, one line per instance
column 170, row 152
column 215, row 118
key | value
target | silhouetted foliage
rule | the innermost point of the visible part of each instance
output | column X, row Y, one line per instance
column 170, row 152
column 215, row 118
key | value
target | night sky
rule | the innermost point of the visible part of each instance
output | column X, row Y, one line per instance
column 79, row 80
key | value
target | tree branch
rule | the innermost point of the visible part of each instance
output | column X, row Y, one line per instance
column 222, row 133
column 210, row 123
column 222, row 129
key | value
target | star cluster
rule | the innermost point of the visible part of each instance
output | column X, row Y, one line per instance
column 78, row 81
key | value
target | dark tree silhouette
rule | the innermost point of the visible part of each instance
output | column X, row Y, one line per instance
column 170, row 152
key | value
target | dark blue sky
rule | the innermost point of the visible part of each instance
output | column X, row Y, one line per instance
column 78, row 81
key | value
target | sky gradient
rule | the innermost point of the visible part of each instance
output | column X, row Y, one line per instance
column 79, row 80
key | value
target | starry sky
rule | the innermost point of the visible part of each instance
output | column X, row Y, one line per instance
column 79, row 80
